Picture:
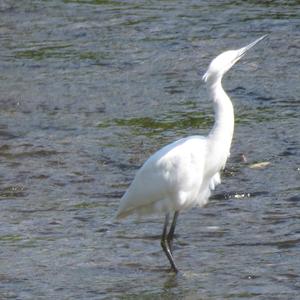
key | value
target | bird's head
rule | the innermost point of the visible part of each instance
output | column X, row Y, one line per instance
column 223, row 62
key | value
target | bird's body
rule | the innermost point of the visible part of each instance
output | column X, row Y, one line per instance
column 176, row 171
column 182, row 174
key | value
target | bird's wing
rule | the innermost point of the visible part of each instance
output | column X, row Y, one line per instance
column 176, row 168
column 215, row 180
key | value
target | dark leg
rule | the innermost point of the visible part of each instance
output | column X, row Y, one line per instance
column 165, row 245
column 171, row 231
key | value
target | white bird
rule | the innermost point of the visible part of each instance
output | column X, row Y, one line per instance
column 182, row 174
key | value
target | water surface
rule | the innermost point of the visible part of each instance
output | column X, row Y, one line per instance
column 89, row 89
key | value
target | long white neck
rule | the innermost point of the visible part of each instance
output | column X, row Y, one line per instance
column 220, row 136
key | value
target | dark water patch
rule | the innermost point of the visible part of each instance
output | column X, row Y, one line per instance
column 264, row 98
column 127, row 236
column 275, row 219
column 6, row 6
column 294, row 199
column 7, row 135
column 126, row 167
column 56, row 163
column 44, row 51
column 4, row 148
column 10, row 238
column 87, row 205
column 282, row 244
column 231, row 170
column 290, row 276
column 33, row 154
column 218, row 196
column 288, row 152
column 9, row 104
column 253, row 95
column 261, row 115
column 98, row 2
column 13, row 192
column 107, row 160
column 288, row 244
column 59, row 183
column 239, row 90
column 243, row 295
column 97, row 58
column 213, row 233
column 84, row 179
column 112, row 195
column 101, row 196
column 151, row 125
column 173, row 90
column 51, row 208
column 40, row 176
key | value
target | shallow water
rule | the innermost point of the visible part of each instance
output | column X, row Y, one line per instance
column 89, row 89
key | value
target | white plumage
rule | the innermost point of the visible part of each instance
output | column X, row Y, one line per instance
column 170, row 180
column 182, row 174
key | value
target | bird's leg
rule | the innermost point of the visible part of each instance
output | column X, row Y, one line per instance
column 171, row 231
column 165, row 245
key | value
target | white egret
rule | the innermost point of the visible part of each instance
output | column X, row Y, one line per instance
column 182, row 174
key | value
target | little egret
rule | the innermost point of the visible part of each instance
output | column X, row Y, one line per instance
column 182, row 174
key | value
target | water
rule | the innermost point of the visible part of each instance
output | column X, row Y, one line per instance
column 89, row 89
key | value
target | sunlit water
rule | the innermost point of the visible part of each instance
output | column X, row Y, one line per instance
column 88, row 90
